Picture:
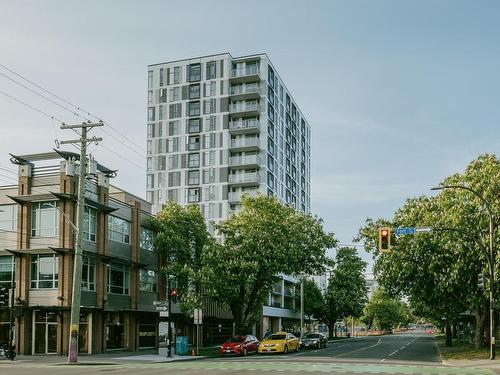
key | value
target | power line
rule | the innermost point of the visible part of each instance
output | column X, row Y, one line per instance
column 124, row 158
column 62, row 122
column 8, row 170
column 43, row 96
column 33, row 108
column 78, row 108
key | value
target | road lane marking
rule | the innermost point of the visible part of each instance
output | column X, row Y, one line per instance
column 403, row 347
column 357, row 350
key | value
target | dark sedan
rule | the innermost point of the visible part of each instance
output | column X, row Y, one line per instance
column 313, row 340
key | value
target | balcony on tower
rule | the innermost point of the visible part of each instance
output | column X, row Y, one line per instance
column 246, row 161
column 235, row 196
column 244, row 144
column 245, row 109
column 244, row 179
column 244, row 125
column 249, row 73
column 246, row 91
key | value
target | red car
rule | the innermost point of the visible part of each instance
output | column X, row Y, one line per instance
column 240, row 345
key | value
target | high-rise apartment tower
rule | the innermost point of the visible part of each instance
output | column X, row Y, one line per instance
column 220, row 126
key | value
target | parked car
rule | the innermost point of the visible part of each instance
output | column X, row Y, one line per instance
column 279, row 342
column 240, row 345
column 313, row 340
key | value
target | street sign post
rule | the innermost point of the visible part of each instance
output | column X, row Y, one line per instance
column 198, row 319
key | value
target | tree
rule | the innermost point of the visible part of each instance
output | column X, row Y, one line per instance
column 265, row 239
column 439, row 271
column 346, row 293
column 384, row 312
column 314, row 301
column 180, row 237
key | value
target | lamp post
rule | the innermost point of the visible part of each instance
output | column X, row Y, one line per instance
column 491, row 258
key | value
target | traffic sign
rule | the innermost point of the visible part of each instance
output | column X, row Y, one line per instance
column 160, row 303
column 198, row 316
column 404, row 230
column 423, row 229
column 161, row 308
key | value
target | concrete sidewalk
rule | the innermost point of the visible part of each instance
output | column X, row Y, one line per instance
column 103, row 359
column 493, row 365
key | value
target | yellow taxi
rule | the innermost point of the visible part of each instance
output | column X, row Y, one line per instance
column 279, row 342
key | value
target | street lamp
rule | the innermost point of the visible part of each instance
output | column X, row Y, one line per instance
column 491, row 258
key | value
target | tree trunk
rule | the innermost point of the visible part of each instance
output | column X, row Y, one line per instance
column 448, row 335
column 479, row 329
column 331, row 328
column 454, row 330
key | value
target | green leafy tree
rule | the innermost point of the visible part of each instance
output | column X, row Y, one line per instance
column 438, row 271
column 314, row 301
column 346, row 293
column 180, row 237
column 384, row 312
column 265, row 239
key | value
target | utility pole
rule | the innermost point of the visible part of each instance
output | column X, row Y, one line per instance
column 169, row 332
column 77, row 268
column 302, row 307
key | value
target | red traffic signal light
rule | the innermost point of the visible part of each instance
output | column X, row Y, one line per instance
column 384, row 240
column 172, row 294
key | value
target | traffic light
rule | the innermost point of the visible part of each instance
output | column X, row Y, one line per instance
column 173, row 295
column 4, row 296
column 480, row 282
column 384, row 240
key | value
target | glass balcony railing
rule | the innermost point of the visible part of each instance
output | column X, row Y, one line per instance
column 235, row 196
column 244, row 160
column 244, row 124
column 244, row 89
column 247, row 71
column 243, row 178
column 244, row 107
column 244, row 142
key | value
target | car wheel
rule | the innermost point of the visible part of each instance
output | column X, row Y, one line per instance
column 285, row 349
column 245, row 352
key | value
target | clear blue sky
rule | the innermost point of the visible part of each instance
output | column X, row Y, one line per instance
column 399, row 94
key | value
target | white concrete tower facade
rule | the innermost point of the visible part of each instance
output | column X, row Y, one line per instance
column 219, row 127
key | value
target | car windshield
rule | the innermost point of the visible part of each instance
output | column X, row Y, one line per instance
column 236, row 339
column 313, row 336
column 277, row 337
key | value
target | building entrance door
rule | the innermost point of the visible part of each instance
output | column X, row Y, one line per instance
column 45, row 333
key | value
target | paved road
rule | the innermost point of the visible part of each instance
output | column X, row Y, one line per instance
column 391, row 354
